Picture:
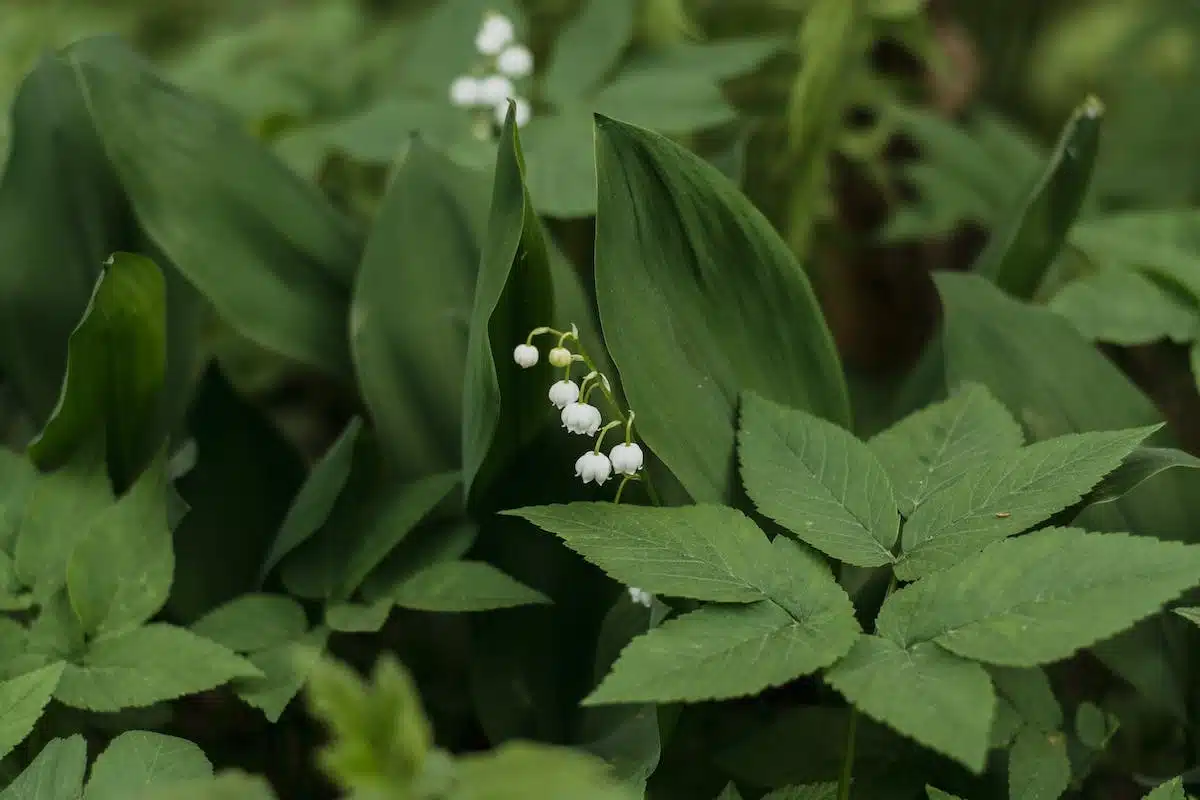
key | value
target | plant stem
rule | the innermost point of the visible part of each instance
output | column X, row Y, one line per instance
column 848, row 758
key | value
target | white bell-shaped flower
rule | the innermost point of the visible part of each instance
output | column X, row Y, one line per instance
column 640, row 597
column 464, row 91
column 559, row 357
column 522, row 112
column 593, row 468
column 494, row 35
column 582, row 418
column 526, row 355
column 516, row 61
column 626, row 458
column 494, row 90
column 563, row 393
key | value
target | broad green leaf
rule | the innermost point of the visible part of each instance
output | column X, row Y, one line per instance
column 380, row 738
column 464, row 586
column 285, row 669
column 723, row 651
column 22, row 700
column 431, row 543
column 1171, row 790
column 238, row 493
column 1161, row 244
column 1029, row 693
column 588, row 49
column 56, row 773
column 1122, row 306
column 314, row 502
column 818, row 481
column 1026, row 242
column 704, row 552
column 716, row 60
column 253, row 622
column 1038, row 766
column 335, row 564
column 1009, row 494
column 17, row 479
column 138, row 760
column 561, row 172
column 926, row 451
column 1095, row 726
column 266, row 249
column 145, row 666
column 1138, row 467
column 934, row 697
column 519, row 770
column 668, row 227
column 228, row 785
column 120, row 571
column 512, row 297
column 1040, row 597
column 61, row 507
column 55, row 633
column 1006, row 724
column 410, row 365
column 358, row 618
column 116, row 366
column 664, row 100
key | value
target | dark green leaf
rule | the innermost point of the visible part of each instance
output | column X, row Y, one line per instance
column 561, row 173
column 519, row 770
column 357, row 618
column 463, row 586
column 22, row 701
column 1138, row 467
column 669, row 101
column 1122, row 306
column 1029, row 693
column 588, row 49
column 1038, row 766
column 136, row 760
column 1024, row 244
column 253, row 622
column 717, row 60
column 687, row 331
column 285, row 669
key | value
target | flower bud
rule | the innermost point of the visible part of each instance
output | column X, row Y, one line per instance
column 464, row 91
column 559, row 357
column 526, row 355
column 626, row 458
column 581, row 418
column 516, row 61
column 494, row 35
column 563, row 393
column 593, row 468
column 495, row 90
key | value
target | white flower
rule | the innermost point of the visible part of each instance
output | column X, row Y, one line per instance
column 626, row 458
column 593, row 467
column 464, row 91
column 559, row 357
column 494, row 34
column 640, row 597
column 581, row 418
column 494, row 90
column 521, row 114
column 563, row 393
column 526, row 355
column 516, row 61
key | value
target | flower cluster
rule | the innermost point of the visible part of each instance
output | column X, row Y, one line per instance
column 579, row 416
column 503, row 61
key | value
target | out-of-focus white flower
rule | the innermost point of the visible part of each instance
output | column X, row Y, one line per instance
column 522, row 113
column 582, row 418
column 526, row 355
column 563, row 393
column 626, row 458
column 495, row 90
column 494, row 35
column 559, row 357
column 593, row 468
column 464, row 91
column 516, row 61
column 640, row 597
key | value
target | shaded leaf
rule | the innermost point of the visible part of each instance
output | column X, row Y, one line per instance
column 55, row 774
column 1029, row 693
column 253, row 622
column 22, row 701
column 358, row 618
column 587, row 49
column 1122, row 306
column 518, row 770
column 463, row 586
column 1038, row 766
column 285, row 669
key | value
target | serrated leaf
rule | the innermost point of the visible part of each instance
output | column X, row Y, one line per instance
column 284, row 670
column 723, row 651
column 1040, row 597
column 229, row 785
column 1138, row 467
column 56, row 773
column 1171, row 790
column 520, row 770
column 22, row 700
column 120, row 572
column 1122, row 306
column 464, row 586
column 703, row 552
column 253, row 622
column 1029, row 692
column 145, row 666
column 315, row 500
column 61, row 506
column 588, row 49
column 1006, row 725
column 358, row 618
column 1008, row 495
column 138, row 760
column 730, row 792
column 818, row 481
column 926, row 451
column 934, row 697
column 116, row 367
column 1038, row 766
